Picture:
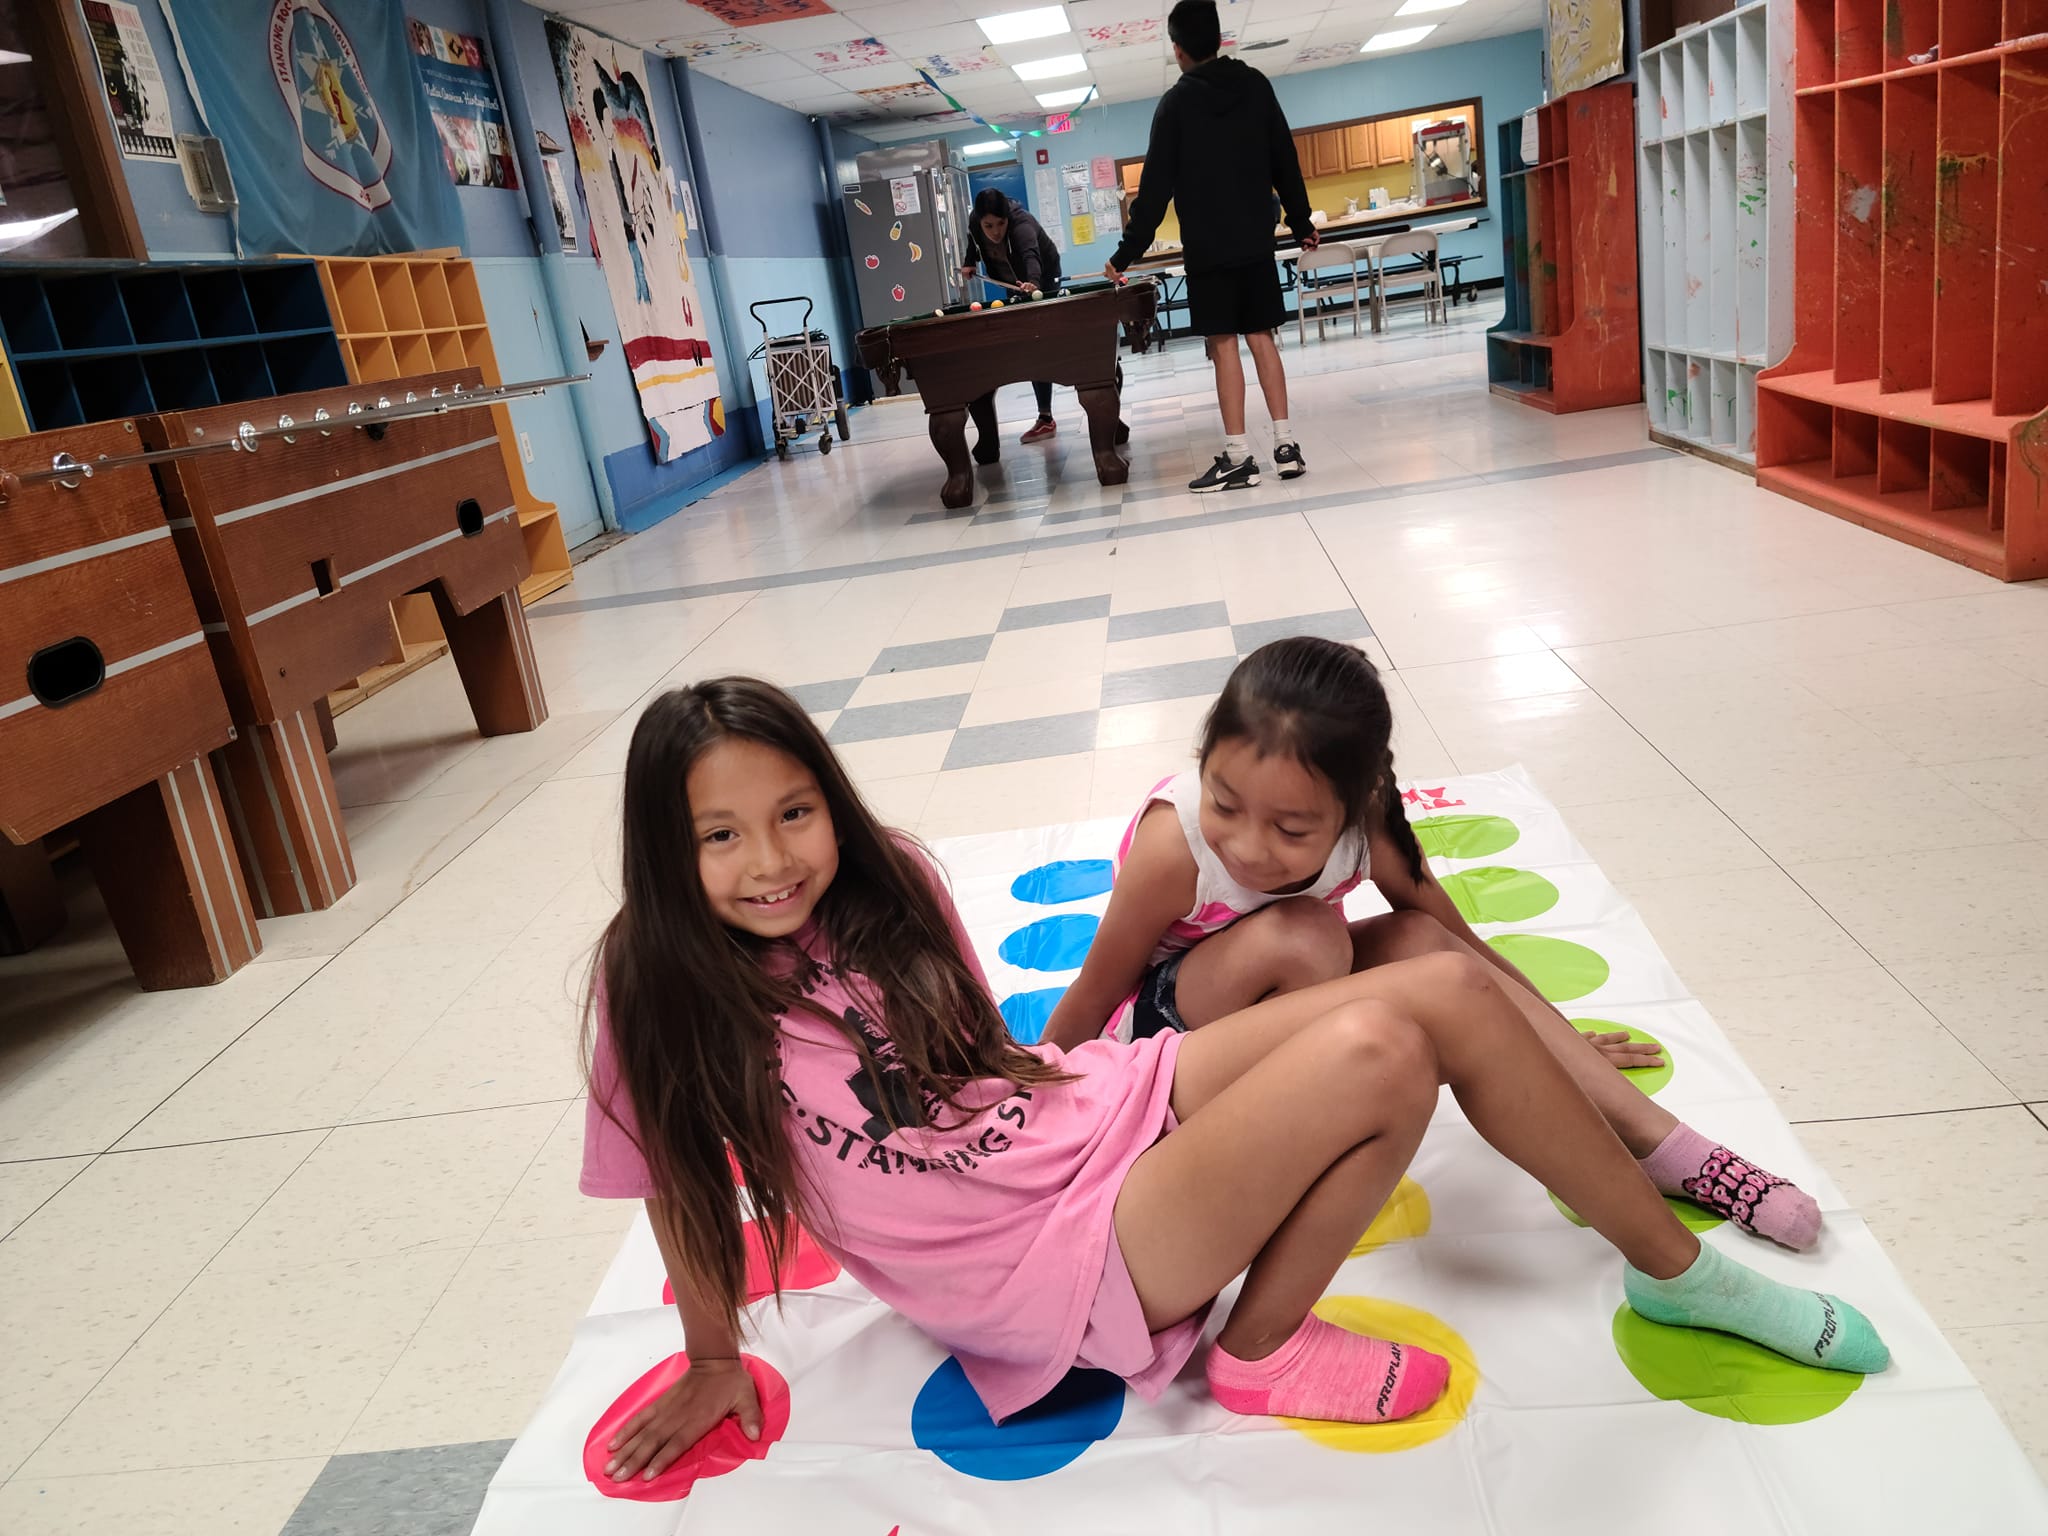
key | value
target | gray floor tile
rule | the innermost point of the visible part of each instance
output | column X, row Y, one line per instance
column 939, row 515
column 1168, row 621
column 1343, row 624
column 820, row 697
column 931, row 653
column 989, row 515
column 435, row 1491
column 913, row 717
column 1084, row 514
column 1016, row 741
column 1177, row 680
column 1067, row 611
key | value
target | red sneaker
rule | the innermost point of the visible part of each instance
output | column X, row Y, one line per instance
column 1044, row 428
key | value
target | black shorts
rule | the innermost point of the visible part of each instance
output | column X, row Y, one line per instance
column 1236, row 301
column 1155, row 1011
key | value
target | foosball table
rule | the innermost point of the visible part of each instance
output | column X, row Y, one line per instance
column 181, row 593
column 109, row 707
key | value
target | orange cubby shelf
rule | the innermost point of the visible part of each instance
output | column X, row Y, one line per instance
column 1570, row 340
column 1915, row 398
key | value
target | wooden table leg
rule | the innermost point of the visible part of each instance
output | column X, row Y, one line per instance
column 31, row 907
column 948, row 427
column 493, row 652
column 171, row 881
column 1101, row 402
column 323, row 716
column 285, row 816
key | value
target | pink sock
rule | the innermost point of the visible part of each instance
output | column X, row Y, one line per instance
column 1327, row 1372
column 1690, row 1167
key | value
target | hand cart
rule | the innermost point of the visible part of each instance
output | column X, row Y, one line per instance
column 803, row 386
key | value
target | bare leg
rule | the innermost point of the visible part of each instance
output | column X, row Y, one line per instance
column 1640, row 1122
column 1229, row 383
column 1261, row 1098
column 1282, row 948
column 1272, row 373
column 1280, row 1170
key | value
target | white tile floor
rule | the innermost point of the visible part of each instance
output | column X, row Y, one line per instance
column 329, row 1207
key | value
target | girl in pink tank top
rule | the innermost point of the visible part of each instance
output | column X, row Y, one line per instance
column 786, row 993
column 1230, row 888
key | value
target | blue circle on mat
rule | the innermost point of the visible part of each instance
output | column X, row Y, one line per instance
column 949, row 1421
column 1052, row 943
column 1050, row 885
column 1027, row 1013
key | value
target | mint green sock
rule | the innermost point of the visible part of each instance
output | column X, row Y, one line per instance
column 1717, row 1292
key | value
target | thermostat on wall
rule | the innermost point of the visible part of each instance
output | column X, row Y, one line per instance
column 206, row 173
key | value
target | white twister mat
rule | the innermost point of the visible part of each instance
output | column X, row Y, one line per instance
column 1566, row 1415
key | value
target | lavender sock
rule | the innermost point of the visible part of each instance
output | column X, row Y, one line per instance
column 1690, row 1167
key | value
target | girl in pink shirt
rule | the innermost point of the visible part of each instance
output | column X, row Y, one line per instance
column 788, row 981
column 1230, row 888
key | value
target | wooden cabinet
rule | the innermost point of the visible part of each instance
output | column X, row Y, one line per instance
column 1305, row 152
column 1329, row 152
column 1392, row 141
column 1361, row 151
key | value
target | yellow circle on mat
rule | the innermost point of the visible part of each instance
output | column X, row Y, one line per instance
column 1405, row 1215
column 1404, row 1325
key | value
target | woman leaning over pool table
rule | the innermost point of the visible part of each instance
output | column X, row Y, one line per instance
column 1015, row 250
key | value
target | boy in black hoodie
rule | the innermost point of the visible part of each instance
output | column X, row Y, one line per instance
column 1220, row 150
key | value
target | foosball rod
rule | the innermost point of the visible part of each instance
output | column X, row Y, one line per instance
column 69, row 472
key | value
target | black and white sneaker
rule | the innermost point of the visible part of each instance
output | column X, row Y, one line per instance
column 1288, row 456
column 1226, row 476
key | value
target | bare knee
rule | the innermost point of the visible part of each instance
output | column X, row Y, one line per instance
column 1302, row 942
column 1385, row 1054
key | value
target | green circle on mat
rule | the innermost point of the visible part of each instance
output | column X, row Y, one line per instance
column 1649, row 1079
column 1561, row 969
column 1466, row 836
column 1727, row 1377
column 1692, row 1217
column 1494, row 894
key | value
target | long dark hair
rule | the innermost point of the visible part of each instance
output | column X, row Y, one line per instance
column 1320, row 702
column 692, row 1009
column 991, row 203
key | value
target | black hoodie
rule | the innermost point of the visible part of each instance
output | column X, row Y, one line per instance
column 1220, row 149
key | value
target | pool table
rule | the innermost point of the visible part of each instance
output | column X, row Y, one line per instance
column 959, row 356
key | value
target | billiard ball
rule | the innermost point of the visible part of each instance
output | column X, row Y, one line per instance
column 996, row 304
column 1037, row 293
column 975, row 307
column 938, row 314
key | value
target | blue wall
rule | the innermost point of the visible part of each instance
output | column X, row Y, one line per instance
column 774, row 215
column 1505, row 75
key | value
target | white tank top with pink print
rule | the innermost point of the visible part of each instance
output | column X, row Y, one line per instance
column 1220, row 900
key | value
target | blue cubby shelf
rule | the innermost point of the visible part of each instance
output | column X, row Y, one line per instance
column 100, row 340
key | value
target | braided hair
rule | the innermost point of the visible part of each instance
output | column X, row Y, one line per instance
column 1321, row 703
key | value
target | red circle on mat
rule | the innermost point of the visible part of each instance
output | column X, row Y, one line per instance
column 716, row 1454
column 806, row 1267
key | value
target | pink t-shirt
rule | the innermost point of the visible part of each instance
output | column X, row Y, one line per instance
column 994, row 1235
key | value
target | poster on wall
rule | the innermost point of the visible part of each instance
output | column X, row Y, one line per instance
column 136, row 97
column 637, row 235
column 317, row 108
column 1585, row 43
column 462, row 93
column 1045, row 201
column 558, row 198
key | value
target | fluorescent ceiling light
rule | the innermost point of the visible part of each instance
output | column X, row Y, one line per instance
column 984, row 146
column 1023, row 26
column 1423, row 7
column 1401, row 39
column 1071, row 97
column 1050, row 69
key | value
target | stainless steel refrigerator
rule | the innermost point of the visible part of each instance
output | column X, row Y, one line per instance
column 906, row 225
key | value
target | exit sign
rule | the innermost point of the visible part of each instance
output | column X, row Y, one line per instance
column 1060, row 122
